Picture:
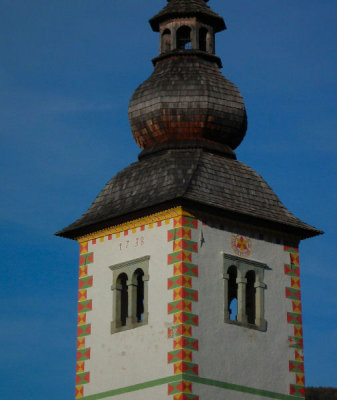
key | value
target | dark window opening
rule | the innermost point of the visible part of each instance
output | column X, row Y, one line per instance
column 166, row 41
column 202, row 39
column 232, row 294
column 123, row 287
column 184, row 38
column 140, row 295
column 250, row 297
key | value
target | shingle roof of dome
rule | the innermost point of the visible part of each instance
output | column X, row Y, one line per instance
column 187, row 98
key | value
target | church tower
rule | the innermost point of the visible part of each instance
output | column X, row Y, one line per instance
column 189, row 283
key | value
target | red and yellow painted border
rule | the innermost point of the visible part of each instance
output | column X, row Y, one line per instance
column 83, row 327
column 294, row 318
column 184, row 296
column 134, row 226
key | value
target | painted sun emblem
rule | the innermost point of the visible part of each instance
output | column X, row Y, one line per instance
column 241, row 245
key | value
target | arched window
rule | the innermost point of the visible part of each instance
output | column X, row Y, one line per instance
column 202, row 39
column 232, row 293
column 130, row 294
column 139, row 297
column 250, row 297
column 166, row 41
column 184, row 38
column 244, row 292
column 122, row 289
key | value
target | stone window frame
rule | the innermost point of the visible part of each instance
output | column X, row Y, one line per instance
column 243, row 266
column 129, row 268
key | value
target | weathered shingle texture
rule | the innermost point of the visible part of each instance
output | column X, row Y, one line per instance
column 187, row 98
column 198, row 176
column 188, row 8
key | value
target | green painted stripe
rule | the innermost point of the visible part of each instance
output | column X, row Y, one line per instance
column 238, row 388
column 133, row 388
column 191, row 378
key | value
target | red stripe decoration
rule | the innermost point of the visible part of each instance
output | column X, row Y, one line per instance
column 182, row 305
column 185, row 268
column 296, row 390
column 296, row 366
column 83, row 354
column 181, row 280
column 184, row 396
column 83, row 378
column 294, row 318
column 183, row 330
column 182, row 342
column 85, row 282
column 186, row 318
column 293, row 293
column 182, row 367
column 291, row 270
column 84, row 306
column 84, row 330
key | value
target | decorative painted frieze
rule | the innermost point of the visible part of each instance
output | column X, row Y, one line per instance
column 132, row 227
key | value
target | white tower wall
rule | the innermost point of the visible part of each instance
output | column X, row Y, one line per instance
column 202, row 356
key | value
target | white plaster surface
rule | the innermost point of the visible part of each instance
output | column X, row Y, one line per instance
column 214, row 393
column 157, row 392
column 237, row 354
column 137, row 355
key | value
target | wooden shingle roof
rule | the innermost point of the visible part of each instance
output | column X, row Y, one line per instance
column 188, row 8
column 196, row 176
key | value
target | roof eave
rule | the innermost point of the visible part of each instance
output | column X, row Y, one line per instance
column 217, row 22
column 197, row 207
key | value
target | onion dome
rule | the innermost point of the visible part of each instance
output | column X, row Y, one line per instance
column 187, row 98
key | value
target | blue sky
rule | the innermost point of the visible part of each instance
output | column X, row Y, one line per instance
column 67, row 72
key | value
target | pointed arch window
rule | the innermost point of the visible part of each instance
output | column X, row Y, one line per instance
column 130, row 294
column 244, row 288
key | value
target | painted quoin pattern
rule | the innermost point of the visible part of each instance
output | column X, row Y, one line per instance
column 83, row 327
column 294, row 319
column 184, row 321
